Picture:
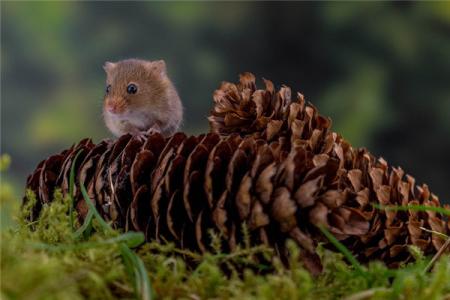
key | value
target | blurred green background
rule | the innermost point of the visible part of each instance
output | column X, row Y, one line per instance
column 380, row 70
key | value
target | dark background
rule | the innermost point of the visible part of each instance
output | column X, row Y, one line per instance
column 381, row 71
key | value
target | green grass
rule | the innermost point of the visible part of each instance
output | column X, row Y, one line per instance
column 414, row 207
column 45, row 260
column 55, row 257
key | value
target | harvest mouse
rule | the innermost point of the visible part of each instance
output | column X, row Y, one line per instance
column 140, row 97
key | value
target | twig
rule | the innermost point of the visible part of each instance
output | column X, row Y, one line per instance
column 366, row 294
column 437, row 256
column 440, row 234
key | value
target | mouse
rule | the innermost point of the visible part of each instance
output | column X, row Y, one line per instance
column 140, row 98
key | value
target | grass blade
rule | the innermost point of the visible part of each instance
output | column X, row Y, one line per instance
column 142, row 281
column 127, row 239
column 71, row 188
column 86, row 225
column 128, row 262
column 131, row 268
column 131, row 260
column 146, row 288
column 91, row 205
column 133, row 239
column 347, row 254
column 415, row 207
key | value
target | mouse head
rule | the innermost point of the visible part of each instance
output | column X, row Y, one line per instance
column 133, row 83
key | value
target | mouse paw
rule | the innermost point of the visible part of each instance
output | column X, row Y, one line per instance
column 153, row 130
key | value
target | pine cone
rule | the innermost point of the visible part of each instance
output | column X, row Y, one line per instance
column 265, row 113
column 270, row 162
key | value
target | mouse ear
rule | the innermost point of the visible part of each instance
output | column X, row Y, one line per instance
column 158, row 66
column 108, row 66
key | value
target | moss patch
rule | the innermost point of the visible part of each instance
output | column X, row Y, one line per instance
column 45, row 260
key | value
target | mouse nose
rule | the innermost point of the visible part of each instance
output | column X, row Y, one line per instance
column 112, row 107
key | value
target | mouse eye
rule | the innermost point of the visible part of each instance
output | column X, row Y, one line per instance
column 108, row 88
column 131, row 88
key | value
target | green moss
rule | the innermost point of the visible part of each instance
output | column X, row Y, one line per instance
column 44, row 260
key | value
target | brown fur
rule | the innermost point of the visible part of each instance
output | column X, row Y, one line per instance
column 156, row 105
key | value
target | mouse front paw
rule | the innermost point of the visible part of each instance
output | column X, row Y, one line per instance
column 154, row 129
